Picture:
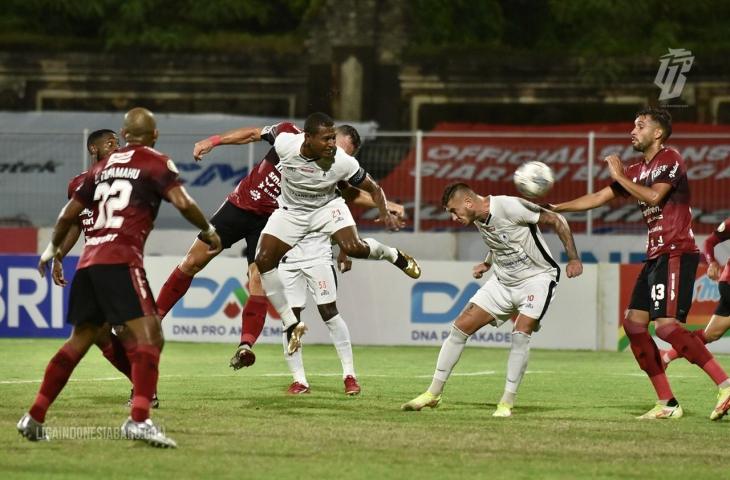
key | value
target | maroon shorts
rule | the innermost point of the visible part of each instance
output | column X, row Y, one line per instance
column 665, row 286
column 233, row 223
column 109, row 293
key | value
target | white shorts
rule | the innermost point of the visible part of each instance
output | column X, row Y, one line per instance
column 532, row 298
column 320, row 280
column 291, row 226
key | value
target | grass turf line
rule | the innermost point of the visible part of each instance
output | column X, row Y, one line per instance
column 574, row 418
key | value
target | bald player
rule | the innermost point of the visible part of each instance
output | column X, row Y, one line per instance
column 123, row 192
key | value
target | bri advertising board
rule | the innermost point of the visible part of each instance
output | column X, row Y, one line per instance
column 31, row 306
column 379, row 303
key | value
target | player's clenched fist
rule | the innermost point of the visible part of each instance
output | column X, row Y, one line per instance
column 574, row 268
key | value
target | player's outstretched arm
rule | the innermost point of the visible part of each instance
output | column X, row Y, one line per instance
column 239, row 136
column 179, row 197
column 66, row 219
column 652, row 196
column 377, row 194
column 562, row 229
column 586, row 202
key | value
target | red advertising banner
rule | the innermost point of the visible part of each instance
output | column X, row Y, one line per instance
column 487, row 162
column 704, row 301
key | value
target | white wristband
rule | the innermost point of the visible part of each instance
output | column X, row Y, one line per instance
column 50, row 252
column 210, row 231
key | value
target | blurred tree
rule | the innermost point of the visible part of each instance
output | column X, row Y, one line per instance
column 157, row 25
column 597, row 31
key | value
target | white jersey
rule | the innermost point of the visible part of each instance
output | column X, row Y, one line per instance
column 305, row 186
column 314, row 249
column 519, row 251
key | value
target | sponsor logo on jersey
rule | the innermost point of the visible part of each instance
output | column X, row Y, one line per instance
column 119, row 158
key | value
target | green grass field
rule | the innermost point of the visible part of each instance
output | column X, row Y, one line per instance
column 574, row 418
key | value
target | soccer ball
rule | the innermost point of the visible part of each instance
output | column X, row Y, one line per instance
column 534, row 179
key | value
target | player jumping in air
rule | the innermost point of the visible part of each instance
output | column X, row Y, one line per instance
column 312, row 166
column 243, row 215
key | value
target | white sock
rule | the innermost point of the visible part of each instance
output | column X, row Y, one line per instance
column 448, row 358
column 340, row 335
column 295, row 363
column 379, row 251
column 275, row 293
column 519, row 355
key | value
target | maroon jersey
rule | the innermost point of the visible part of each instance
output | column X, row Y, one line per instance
column 124, row 192
column 258, row 191
column 86, row 217
column 721, row 233
column 669, row 223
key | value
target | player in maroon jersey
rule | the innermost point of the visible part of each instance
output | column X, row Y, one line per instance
column 124, row 192
column 663, row 291
column 244, row 214
column 720, row 320
column 99, row 144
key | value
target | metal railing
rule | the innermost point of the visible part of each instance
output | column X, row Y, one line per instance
column 412, row 167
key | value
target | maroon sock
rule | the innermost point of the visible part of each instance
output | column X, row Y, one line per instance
column 253, row 318
column 115, row 352
column 173, row 290
column 145, row 362
column 647, row 356
column 58, row 371
column 700, row 334
column 692, row 348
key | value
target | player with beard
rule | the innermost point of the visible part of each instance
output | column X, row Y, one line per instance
column 663, row 290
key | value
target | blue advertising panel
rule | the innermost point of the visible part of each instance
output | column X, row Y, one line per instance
column 31, row 306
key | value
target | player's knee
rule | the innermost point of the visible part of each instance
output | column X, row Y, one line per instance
column 327, row 311
column 103, row 338
column 191, row 265
column 356, row 248
column 264, row 260
column 712, row 335
column 457, row 335
column 633, row 316
column 82, row 338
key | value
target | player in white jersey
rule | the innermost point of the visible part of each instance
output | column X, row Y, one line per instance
column 312, row 166
column 309, row 267
column 523, row 282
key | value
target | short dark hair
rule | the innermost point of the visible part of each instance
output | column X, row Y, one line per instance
column 350, row 131
column 660, row 116
column 451, row 190
column 96, row 135
column 317, row 120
